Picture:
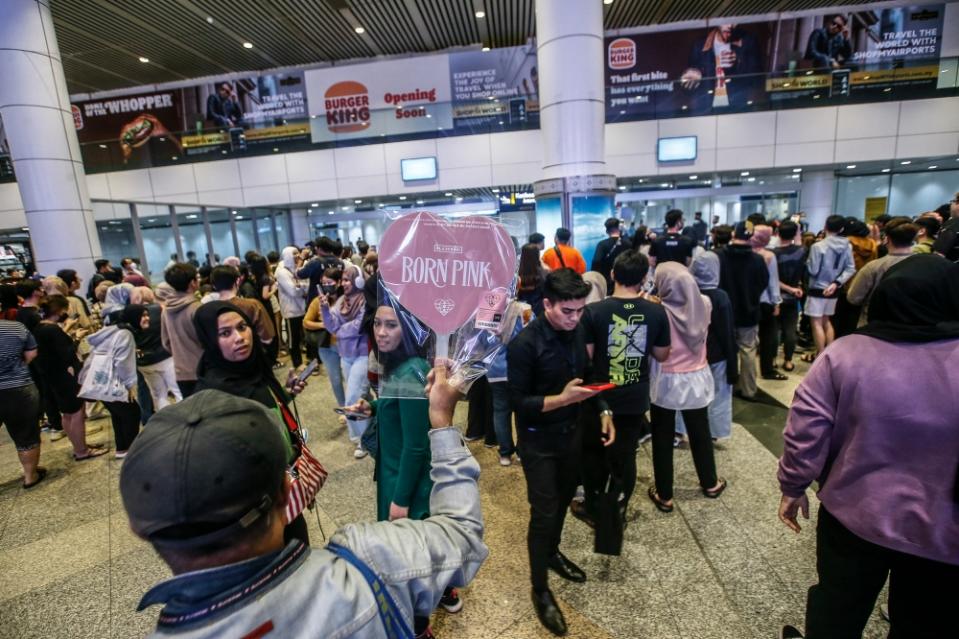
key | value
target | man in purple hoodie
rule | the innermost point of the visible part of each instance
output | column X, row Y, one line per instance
column 875, row 423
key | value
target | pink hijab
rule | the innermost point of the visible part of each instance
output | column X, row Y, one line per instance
column 687, row 308
column 760, row 239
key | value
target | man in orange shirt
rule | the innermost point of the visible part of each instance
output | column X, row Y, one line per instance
column 562, row 255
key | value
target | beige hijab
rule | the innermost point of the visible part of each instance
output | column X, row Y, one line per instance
column 597, row 285
column 687, row 308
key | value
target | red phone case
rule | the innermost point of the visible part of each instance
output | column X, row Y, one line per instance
column 599, row 387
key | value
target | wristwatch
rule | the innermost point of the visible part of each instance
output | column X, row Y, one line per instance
column 606, row 413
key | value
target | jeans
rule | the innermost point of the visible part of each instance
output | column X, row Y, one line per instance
column 551, row 464
column 768, row 339
column 331, row 362
column 126, row 422
column 747, row 339
column 700, row 444
column 161, row 379
column 295, row 330
column 852, row 572
column 144, row 399
column 619, row 458
column 720, row 410
column 788, row 325
column 502, row 418
column 354, row 371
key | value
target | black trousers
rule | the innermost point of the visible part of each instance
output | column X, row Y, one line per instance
column 187, row 388
column 768, row 339
column 295, row 329
column 846, row 317
column 619, row 458
column 479, row 419
column 788, row 325
column 852, row 572
column 126, row 422
column 551, row 464
column 700, row 444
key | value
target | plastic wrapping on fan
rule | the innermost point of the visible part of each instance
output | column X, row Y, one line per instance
column 445, row 288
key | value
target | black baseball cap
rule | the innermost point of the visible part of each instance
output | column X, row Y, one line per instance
column 202, row 469
column 611, row 223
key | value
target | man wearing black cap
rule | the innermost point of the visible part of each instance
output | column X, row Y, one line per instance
column 206, row 485
column 608, row 250
column 744, row 277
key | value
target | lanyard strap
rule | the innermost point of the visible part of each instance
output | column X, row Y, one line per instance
column 393, row 622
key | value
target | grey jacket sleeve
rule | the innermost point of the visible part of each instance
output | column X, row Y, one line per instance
column 125, row 358
column 419, row 559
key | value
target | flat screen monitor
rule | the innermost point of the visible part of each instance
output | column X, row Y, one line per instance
column 679, row 149
column 413, row 169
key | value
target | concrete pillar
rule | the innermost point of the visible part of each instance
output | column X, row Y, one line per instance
column 35, row 108
column 575, row 189
column 817, row 197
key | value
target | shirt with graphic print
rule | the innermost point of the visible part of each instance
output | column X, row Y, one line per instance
column 623, row 333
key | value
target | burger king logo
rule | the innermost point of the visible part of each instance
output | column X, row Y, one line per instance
column 621, row 54
column 347, row 107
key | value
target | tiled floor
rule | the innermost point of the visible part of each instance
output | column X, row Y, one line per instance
column 69, row 567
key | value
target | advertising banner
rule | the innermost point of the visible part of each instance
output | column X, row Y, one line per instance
column 391, row 97
column 489, row 87
column 192, row 120
column 743, row 65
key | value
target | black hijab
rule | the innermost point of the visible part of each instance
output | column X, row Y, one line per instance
column 917, row 300
column 252, row 378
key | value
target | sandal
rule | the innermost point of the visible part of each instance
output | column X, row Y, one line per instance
column 713, row 493
column 808, row 357
column 789, row 367
column 662, row 506
column 93, row 450
column 41, row 473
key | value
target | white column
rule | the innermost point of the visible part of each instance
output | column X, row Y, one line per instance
column 816, row 197
column 572, row 111
column 35, row 108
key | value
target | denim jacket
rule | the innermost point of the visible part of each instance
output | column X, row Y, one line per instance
column 309, row 592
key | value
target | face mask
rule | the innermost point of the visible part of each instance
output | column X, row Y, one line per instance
column 328, row 288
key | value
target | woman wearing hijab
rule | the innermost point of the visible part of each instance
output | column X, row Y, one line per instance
column 682, row 383
column 292, row 295
column 234, row 362
column 402, row 471
column 597, row 286
column 345, row 320
column 153, row 361
column 721, row 351
column 769, row 303
column 874, row 423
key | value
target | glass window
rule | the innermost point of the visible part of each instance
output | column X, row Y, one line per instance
column 159, row 244
column 264, row 230
column 192, row 234
column 221, row 233
column 283, row 228
column 245, row 232
column 116, row 239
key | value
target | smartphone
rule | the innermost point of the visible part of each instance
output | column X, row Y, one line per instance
column 346, row 412
column 599, row 387
column 308, row 370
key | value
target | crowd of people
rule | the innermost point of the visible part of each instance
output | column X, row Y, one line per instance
column 652, row 342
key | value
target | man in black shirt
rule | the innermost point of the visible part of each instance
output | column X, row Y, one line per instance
column 622, row 331
column 672, row 246
column 744, row 277
column 700, row 228
column 546, row 365
column 791, row 262
column 607, row 251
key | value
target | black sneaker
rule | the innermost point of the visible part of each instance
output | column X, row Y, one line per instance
column 790, row 632
column 450, row 601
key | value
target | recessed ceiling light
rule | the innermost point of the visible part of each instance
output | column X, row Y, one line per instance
column 314, row 205
column 209, row 19
column 191, row 216
column 448, row 194
column 223, row 151
column 665, row 185
column 344, row 208
column 360, row 30
column 247, row 45
column 420, row 202
column 934, row 166
column 752, row 179
column 809, row 72
column 233, row 212
column 402, row 197
column 103, row 146
column 357, row 201
column 276, row 149
column 885, row 170
column 744, row 173
column 480, row 14
column 175, row 158
column 905, row 162
column 309, row 210
column 330, row 212
column 622, row 188
column 495, row 190
column 459, row 199
column 749, row 102
column 239, row 217
column 850, row 166
column 501, row 123
column 143, row 59
column 151, row 220
column 312, row 117
column 485, row 49
column 382, row 205
column 693, row 177
column 797, row 170
column 607, row 1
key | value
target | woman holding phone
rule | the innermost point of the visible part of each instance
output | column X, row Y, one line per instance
column 402, row 471
column 234, row 362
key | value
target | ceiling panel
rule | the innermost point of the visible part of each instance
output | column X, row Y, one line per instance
column 101, row 39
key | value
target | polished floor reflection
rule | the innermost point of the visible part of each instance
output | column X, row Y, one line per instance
column 725, row 569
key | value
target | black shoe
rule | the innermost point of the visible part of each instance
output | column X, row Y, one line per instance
column 775, row 376
column 580, row 512
column 549, row 613
column 566, row 569
column 790, row 632
column 738, row 394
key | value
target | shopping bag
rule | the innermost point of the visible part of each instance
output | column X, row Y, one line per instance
column 609, row 520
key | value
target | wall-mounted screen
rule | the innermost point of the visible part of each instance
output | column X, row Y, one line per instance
column 413, row 169
column 681, row 149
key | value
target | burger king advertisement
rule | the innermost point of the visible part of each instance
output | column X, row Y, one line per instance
column 393, row 97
